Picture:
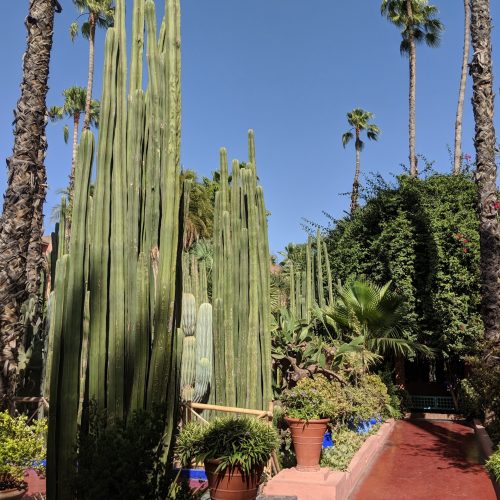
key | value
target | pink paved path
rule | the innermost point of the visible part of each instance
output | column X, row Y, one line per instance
column 427, row 460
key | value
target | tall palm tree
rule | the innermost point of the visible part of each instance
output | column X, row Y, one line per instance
column 73, row 107
column 358, row 119
column 100, row 13
column 417, row 21
column 486, row 173
column 457, row 161
column 21, row 225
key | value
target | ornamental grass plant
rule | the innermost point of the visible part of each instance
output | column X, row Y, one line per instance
column 235, row 442
column 22, row 447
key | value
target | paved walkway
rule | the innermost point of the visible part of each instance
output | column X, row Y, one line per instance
column 427, row 460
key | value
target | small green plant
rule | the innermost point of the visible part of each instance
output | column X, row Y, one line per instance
column 493, row 465
column 346, row 444
column 236, row 442
column 312, row 399
column 22, row 446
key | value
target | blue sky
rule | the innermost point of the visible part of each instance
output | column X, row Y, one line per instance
column 289, row 69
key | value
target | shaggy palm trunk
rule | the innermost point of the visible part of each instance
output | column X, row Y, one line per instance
column 412, row 96
column 90, row 81
column 486, row 173
column 22, row 218
column 355, row 184
column 457, row 161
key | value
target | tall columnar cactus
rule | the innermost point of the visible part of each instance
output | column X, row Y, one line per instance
column 242, row 343
column 204, row 353
column 307, row 288
column 188, row 325
column 116, row 310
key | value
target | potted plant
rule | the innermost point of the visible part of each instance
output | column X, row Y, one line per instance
column 22, row 447
column 308, row 408
column 234, row 451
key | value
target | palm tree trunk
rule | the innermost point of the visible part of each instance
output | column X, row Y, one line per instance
column 412, row 95
column 90, row 81
column 22, row 219
column 457, row 161
column 355, row 184
column 486, row 173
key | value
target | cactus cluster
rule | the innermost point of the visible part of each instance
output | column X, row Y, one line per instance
column 307, row 288
column 240, row 293
column 115, row 338
column 197, row 349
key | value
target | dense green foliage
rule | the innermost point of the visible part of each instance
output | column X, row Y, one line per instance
column 117, row 461
column 343, row 404
column 423, row 235
column 240, row 442
column 310, row 399
column 493, row 465
column 480, row 394
column 21, row 445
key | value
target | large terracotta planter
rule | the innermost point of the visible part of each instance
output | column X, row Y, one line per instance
column 307, row 437
column 232, row 484
column 12, row 494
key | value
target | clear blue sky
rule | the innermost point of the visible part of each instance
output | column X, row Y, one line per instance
column 291, row 70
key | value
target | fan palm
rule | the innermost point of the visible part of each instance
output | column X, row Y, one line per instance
column 457, row 160
column 21, row 227
column 73, row 107
column 418, row 24
column 100, row 13
column 371, row 317
column 486, row 174
column 358, row 119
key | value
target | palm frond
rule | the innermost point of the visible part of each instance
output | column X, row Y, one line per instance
column 346, row 138
column 73, row 31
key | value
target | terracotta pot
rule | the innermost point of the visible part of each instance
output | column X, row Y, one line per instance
column 12, row 494
column 232, row 484
column 307, row 437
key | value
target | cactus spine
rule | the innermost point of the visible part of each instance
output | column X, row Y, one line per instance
column 116, row 285
column 241, row 289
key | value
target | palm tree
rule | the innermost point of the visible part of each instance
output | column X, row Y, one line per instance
column 73, row 107
column 358, row 119
column 100, row 13
column 371, row 317
column 21, row 226
column 417, row 21
column 486, row 173
column 457, row 161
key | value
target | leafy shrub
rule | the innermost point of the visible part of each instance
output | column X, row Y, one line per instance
column 346, row 444
column 242, row 442
column 493, row 465
column 312, row 399
column 369, row 398
column 121, row 460
column 21, row 446
column 480, row 396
